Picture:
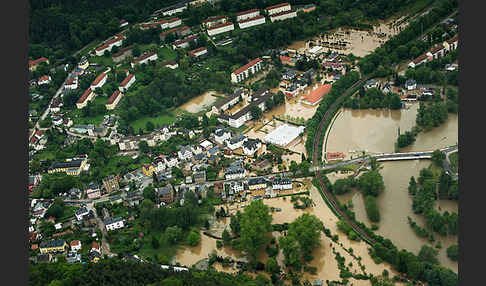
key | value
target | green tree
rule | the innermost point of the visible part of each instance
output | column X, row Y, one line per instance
column 256, row 112
column 453, row 252
column 56, row 209
column 371, row 183
column 173, row 234
column 193, row 238
column 341, row 186
column 412, row 186
column 438, row 157
column 226, row 237
column 149, row 193
column 372, row 209
column 143, row 146
column 155, row 243
column 428, row 254
column 272, row 266
column 255, row 222
column 149, row 126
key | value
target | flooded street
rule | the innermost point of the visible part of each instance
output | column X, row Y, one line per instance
column 200, row 103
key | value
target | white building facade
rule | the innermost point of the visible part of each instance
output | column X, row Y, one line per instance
column 258, row 20
column 221, row 28
column 245, row 71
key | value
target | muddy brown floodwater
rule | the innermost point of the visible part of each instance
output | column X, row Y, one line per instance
column 200, row 102
column 375, row 131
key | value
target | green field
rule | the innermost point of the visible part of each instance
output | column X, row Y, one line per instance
column 454, row 158
column 167, row 54
column 159, row 120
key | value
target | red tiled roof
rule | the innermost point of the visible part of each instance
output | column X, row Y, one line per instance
column 437, row 48
column 171, row 31
column 220, row 26
column 190, row 38
column 285, row 59
column 70, row 81
column 455, row 38
column 252, row 19
column 117, row 38
column 193, row 52
column 318, row 93
column 143, row 57
column 34, row 246
column 122, row 51
column 330, row 155
column 276, row 6
column 247, row 12
column 98, row 79
column 282, row 13
column 419, row 59
column 122, row 21
column 35, row 62
column 126, row 80
column 95, row 245
column 247, row 66
column 75, row 242
column 113, row 97
column 214, row 18
column 85, row 95
column 174, row 20
column 44, row 78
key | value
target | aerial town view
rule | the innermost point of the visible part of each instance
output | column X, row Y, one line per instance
column 250, row 142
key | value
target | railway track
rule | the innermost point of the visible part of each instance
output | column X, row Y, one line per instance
column 315, row 159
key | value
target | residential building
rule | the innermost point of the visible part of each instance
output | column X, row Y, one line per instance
column 451, row 44
column 45, row 79
column 179, row 31
column 289, row 74
column 198, row 52
column 243, row 115
column 173, row 9
column 437, row 52
column 170, row 64
column 288, row 61
column 410, row 84
column 93, row 191
column 148, row 169
column 165, row 194
column 80, row 213
column 278, row 8
column 123, row 23
column 257, row 183
column 335, row 66
column 214, row 151
column 418, row 61
column 55, row 245
column 171, row 160
column 220, row 28
column 113, row 223
column 75, row 245
column 221, row 135
column 316, row 95
column 33, row 64
column 226, row 103
column 83, row 100
column 184, row 43
column 283, row 16
column 245, row 71
column 206, row 144
column 73, row 257
column 71, row 83
column 198, row 2
column 185, row 153
column 236, row 187
column 71, row 167
column 114, row 99
column 144, row 59
column 236, row 141
column 174, row 22
column 200, row 177
column 308, row 8
column 247, row 14
column 116, row 40
column 111, row 183
column 235, row 171
column 126, row 83
column 371, row 83
column 214, row 21
column 250, row 146
column 282, row 184
column 95, row 247
column 250, row 22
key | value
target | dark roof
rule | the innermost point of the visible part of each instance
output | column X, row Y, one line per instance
column 71, row 164
column 220, row 132
column 280, row 181
column 81, row 210
column 251, row 143
column 237, row 138
column 164, row 190
column 256, row 181
column 247, row 108
column 52, row 243
column 213, row 150
column 111, row 220
column 226, row 100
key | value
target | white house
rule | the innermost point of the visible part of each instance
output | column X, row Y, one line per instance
column 114, row 99
column 235, row 171
column 283, row 16
column 46, row 79
column 177, row 8
column 214, row 21
column 451, row 44
column 250, row 22
column 174, row 22
column 245, row 71
column 221, row 135
column 75, row 245
column 113, row 223
column 371, row 83
column 144, row 59
column 418, row 61
column 198, row 52
column 123, row 23
column 220, row 28
column 71, row 83
column 171, row 161
column 277, row 8
column 410, row 84
column 127, row 82
column 282, row 184
column 99, row 81
column 250, row 146
column 236, row 141
column 185, row 153
column 117, row 40
column 247, row 14
column 236, row 187
column 80, row 213
column 184, row 43
column 83, row 100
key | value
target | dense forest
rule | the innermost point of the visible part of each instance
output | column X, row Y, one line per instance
column 118, row 272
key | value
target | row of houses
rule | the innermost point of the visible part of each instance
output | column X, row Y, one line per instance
column 240, row 188
column 108, row 45
column 436, row 52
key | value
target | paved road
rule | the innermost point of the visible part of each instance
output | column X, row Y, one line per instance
column 105, row 246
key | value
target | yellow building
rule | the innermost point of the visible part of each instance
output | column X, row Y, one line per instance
column 56, row 245
column 73, row 167
column 148, row 169
column 257, row 183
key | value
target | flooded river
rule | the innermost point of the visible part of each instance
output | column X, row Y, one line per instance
column 375, row 131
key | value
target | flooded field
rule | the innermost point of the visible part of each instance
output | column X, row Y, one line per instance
column 395, row 206
column 200, row 103
column 376, row 131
